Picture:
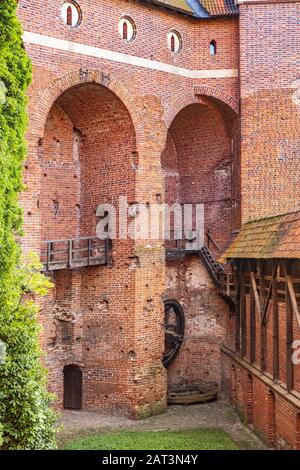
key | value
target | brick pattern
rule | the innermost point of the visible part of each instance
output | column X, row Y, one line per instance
column 100, row 128
column 269, row 78
column 198, row 362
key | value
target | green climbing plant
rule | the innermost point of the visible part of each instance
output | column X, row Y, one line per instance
column 26, row 418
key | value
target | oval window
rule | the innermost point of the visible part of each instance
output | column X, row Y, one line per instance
column 127, row 29
column 71, row 14
column 174, row 42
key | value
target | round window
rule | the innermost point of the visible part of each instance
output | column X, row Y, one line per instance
column 174, row 42
column 127, row 29
column 71, row 14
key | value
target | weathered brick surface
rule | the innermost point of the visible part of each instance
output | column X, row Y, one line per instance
column 269, row 68
column 100, row 128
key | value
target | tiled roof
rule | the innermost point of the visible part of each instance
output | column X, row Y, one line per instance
column 179, row 5
column 194, row 7
column 274, row 237
column 220, row 7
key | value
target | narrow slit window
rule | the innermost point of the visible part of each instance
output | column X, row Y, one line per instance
column 125, row 31
column 172, row 43
column 69, row 16
column 213, row 48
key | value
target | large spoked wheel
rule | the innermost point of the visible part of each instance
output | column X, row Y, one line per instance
column 174, row 330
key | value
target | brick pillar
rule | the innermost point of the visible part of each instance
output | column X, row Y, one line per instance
column 149, row 377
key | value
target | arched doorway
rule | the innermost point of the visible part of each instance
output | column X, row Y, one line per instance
column 72, row 388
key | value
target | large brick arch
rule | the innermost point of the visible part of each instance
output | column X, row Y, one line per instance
column 137, row 107
column 205, row 95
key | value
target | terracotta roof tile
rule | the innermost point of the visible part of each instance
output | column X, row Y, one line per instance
column 212, row 7
column 220, row 7
column 273, row 237
column 179, row 5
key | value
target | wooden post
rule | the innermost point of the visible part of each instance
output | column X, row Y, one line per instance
column 263, row 328
column 237, row 309
column 48, row 254
column 289, row 331
column 275, row 330
column 252, row 326
column 243, row 309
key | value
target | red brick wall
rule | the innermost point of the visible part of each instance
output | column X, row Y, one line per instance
column 199, row 167
column 270, row 123
column 270, row 169
column 206, row 316
column 86, row 146
column 274, row 415
column 235, row 374
column 199, row 163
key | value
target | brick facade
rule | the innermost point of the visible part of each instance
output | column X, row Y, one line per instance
column 110, row 118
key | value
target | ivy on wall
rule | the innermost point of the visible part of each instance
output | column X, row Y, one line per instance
column 26, row 419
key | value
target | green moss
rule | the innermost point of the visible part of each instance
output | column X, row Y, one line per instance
column 25, row 417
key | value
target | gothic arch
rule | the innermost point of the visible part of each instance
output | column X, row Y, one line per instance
column 136, row 107
column 202, row 95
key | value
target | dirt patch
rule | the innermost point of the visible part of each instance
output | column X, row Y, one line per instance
column 217, row 415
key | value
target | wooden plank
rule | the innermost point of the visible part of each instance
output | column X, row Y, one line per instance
column 289, row 328
column 268, row 297
column 243, row 310
column 263, row 327
column 256, row 296
column 292, row 294
column 252, row 327
column 275, row 330
column 237, row 310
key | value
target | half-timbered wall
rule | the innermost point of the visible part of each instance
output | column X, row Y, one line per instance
column 259, row 372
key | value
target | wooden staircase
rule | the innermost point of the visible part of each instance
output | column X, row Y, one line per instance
column 220, row 277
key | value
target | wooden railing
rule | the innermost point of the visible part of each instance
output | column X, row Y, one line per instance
column 76, row 253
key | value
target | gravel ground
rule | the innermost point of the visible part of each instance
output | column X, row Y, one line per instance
column 216, row 415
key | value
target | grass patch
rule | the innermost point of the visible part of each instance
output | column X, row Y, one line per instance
column 199, row 439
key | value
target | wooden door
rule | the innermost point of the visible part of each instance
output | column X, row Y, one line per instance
column 72, row 388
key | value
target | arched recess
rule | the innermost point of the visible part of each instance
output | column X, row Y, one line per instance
column 203, row 94
column 89, row 136
column 145, row 113
column 201, row 160
column 42, row 105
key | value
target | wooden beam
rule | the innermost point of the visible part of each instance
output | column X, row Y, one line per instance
column 237, row 310
column 263, row 328
column 289, row 342
column 291, row 290
column 243, row 309
column 256, row 296
column 252, row 326
column 275, row 329
column 268, row 297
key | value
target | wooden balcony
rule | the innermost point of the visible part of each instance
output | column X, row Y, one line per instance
column 76, row 253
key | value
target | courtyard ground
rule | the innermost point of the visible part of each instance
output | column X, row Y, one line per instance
column 218, row 415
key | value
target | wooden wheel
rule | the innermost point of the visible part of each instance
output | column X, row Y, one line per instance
column 174, row 330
